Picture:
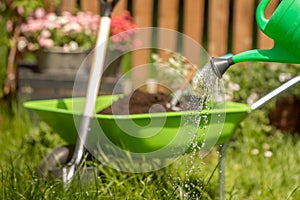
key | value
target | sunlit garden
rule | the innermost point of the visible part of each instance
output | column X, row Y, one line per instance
column 261, row 159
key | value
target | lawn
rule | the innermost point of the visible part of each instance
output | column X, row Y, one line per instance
column 261, row 163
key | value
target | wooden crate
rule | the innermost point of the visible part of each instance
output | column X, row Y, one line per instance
column 35, row 85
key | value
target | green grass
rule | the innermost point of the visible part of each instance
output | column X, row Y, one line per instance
column 252, row 174
column 24, row 141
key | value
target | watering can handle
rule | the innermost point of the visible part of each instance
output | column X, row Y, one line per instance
column 261, row 19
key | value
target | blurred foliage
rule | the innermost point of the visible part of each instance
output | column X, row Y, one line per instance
column 3, row 54
column 13, row 13
column 248, row 82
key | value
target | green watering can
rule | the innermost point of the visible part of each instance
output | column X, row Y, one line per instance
column 283, row 27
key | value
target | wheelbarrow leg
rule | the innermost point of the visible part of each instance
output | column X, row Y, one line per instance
column 222, row 152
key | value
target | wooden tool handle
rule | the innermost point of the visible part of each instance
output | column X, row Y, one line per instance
column 188, row 78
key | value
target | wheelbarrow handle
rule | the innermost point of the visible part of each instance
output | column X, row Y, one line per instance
column 107, row 7
column 275, row 93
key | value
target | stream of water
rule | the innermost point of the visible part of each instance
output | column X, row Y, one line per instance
column 209, row 92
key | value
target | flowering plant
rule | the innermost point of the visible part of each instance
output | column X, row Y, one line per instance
column 170, row 71
column 68, row 31
column 250, row 81
column 122, row 30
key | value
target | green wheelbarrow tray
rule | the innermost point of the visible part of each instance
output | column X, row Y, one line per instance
column 59, row 114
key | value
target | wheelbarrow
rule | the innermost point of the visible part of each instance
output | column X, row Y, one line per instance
column 59, row 114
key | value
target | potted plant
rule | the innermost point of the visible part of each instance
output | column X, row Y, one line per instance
column 63, row 41
column 13, row 14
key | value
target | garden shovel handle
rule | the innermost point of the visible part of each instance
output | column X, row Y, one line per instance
column 107, row 7
column 92, row 90
column 275, row 93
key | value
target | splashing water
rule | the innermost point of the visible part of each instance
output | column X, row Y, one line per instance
column 207, row 88
column 206, row 82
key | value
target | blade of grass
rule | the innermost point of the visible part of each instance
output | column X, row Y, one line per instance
column 173, row 192
column 293, row 192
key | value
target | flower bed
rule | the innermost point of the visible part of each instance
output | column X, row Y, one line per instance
column 47, row 30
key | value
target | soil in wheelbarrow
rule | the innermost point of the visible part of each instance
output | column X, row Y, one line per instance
column 139, row 102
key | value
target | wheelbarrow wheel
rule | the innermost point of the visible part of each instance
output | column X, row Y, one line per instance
column 51, row 165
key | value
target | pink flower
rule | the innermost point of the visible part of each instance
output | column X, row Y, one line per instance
column 76, row 27
column 66, row 14
column 46, row 30
column 72, row 27
column 9, row 26
column 45, row 34
column 122, row 23
column 31, row 47
column 52, row 25
column 94, row 26
column 20, row 10
column 50, row 17
column 47, row 43
column 39, row 13
column 66, row 48
column 32, row 26
column 22, row 43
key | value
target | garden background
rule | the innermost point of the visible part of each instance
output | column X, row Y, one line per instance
column 263, row 156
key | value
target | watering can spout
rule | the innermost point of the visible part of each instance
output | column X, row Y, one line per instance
column 276, row 54
column 220, row 65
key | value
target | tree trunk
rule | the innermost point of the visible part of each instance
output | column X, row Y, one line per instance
column 10, row 84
